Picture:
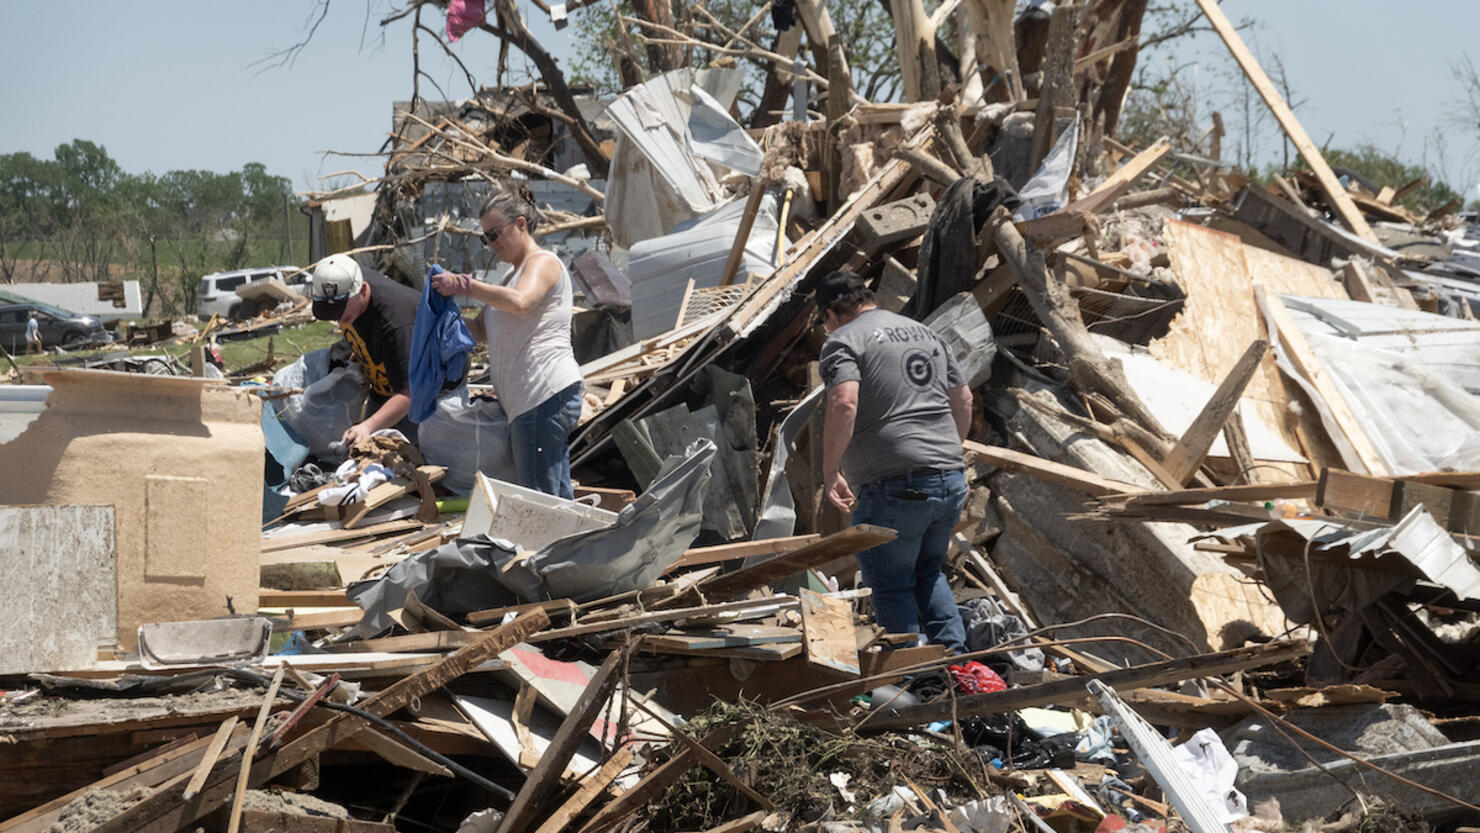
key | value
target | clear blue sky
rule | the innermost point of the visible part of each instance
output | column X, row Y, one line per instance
column 166, row 85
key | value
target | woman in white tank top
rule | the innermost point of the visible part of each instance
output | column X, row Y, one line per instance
column 526, row 324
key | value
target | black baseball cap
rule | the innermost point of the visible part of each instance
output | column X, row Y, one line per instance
column 835, row 285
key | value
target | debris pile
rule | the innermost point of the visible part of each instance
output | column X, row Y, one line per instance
column 1223, row 474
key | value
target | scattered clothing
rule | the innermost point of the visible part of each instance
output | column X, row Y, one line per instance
column 946, row 265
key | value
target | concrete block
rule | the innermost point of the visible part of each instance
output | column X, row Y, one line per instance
column 894, row 222
column 896, row 285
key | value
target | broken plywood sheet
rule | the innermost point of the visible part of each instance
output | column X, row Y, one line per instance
column 169, row 454
column 494, row 717
column 1220, row 318
column 62, row 558
column 827, row 627
column 560, row 684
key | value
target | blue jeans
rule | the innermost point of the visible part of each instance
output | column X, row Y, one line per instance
column 909, row 590
column 540, row 441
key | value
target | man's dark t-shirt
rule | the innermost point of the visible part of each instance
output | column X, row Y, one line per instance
column 381, row 336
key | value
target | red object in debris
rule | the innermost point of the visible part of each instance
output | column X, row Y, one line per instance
column 975, row 678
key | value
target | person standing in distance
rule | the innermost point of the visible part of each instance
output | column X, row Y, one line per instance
column 526, row 324
column 897, row 410
column 33, row 335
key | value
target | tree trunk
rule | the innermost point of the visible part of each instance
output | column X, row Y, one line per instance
column 518, row 34
column 662, row 57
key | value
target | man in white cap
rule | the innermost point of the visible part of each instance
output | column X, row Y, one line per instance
column 376, row 316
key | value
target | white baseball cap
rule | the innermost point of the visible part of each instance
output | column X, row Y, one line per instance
column 336, row 279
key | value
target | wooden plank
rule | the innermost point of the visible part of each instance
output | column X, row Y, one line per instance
column 655, row 782
column 1069, row 477
column 208, row 759
column 769, row 652
column 1123, row 179
column 147, row 774
column 395, row 752
column 553, row 607
column 847, row 542
column 321, row 620
column 545, row 778
column 1358, row 282
column 524, row 701
column 670, row 615
column 591, row 786
column 244, row 774
column 1333, row 189
column 1310, row 367
column 828, row 632
column 1305, row 489
column 410, row 643
column 164, row 812
column 302, row 598
column 744, row 824
column 741, row 549
column 1187, row 455
column 329, row 536
column 731, row 636
column 1071, row 691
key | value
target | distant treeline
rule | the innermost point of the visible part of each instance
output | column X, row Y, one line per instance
column 80, row 217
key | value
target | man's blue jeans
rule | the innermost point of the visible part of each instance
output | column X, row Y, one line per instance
column 909, row 590
column 540, row 441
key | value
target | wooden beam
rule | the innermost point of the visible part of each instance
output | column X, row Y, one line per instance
column 1059, row 474
column 1305, row 489
column 544, row 780
column 302, row 598
column 1306, row 362
column 1058, row 79
column 234, row 818
column 591, row 786
column 699, row 556
column 164, row 811
column 655, row 782
column 1188, row 453
column 1338, row 196
column 1071, row 691
column 331, row 536
column 742, row 236
column 1358, row 282
column 847, row 542
column 208, row 760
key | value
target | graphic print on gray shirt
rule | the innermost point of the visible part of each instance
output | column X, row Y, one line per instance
column 904, row 417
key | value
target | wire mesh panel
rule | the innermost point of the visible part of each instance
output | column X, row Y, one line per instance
column 702, row 302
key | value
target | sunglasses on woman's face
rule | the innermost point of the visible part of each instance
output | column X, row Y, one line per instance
column 490, row 237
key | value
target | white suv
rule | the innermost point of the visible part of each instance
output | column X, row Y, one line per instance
column 217, row 293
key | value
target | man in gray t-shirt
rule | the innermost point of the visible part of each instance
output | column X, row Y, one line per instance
column 897, row 410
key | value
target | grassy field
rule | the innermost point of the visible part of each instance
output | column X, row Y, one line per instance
column 287, row 346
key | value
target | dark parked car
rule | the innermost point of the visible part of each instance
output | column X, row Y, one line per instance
column 59, row 328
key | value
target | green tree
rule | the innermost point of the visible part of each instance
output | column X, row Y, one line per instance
column 1378, row 169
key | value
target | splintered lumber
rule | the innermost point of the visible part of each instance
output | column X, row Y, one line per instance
column 165, row 812
column 1059, row 474
column 545, row 778
column 1309, row 366
column 847, row 542
column 395, row 752
column 330, row 536
column 673, row 614
column 410, row 643
column 655, row 782
column 1306, row 489
column 208, row 760
column 591, row 786
column 1332, row 187
column 1061, row 692
column 741, row 549
column 1190, row 450
column 1346, row 491
column 303, row 598
column 234, row 820
column 828, row 631
column 1057, row 89
column 1060, row 225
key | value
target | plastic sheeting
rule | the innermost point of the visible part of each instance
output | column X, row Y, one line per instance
column 1048, row 190
column 331, row 401
column 1410, row 378
column 648, row 536
column 467, row 436
column 967, row 334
